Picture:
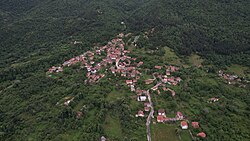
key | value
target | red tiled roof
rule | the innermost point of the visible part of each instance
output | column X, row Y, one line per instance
column 201, row 134
column 140, row 113
column 158, row 67
column 179, row 114
column 195, row 124
column 147, row 104
column 146, row 108
column 160, row 118
column 129, row 81
column 184, row 123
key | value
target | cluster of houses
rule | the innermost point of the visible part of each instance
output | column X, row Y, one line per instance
column 231, row 79
column 195, row 125
column 161, row 117
column 113, row 57
column 164, row 79
column 112, row 53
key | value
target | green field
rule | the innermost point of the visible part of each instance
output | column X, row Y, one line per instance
column 164, row 132
column 112, row 127
column 185, row 136
column 171, row 57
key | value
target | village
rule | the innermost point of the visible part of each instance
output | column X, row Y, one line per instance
column 232, row 79
column 114, row 58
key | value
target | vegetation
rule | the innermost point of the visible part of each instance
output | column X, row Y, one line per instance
column 35, row 35
column 163, row 132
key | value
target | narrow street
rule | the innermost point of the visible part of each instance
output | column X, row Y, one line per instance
column 151, row 115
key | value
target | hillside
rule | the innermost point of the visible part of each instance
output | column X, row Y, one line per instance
column 199, row 37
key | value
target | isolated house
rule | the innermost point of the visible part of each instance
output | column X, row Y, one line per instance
column 184, row 125
column 213, row 100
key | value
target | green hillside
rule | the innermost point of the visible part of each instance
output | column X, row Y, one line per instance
column 199, row 36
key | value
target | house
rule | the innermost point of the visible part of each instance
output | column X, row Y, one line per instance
column 167, row 72
column 132, row 88
column 178, row 79
column 139, row 64
column 141, row 98
column 138, row 92
column 179, row 116
column 134, row 81
column 121, row 35
column 154, row 88
column 158, row 67
column 158, row 92
column 160, row 118
column 59, row 69
column 184, row 125
column 173, row 93
column 201, row 134
column 133, row 74
column 66, row 103
column 146, row 109
column 149, row 81
column 147, row 104
column 213, row 100
column 129, row 82
column 140, row 113
column 103, row 138
column 78, row 114
column 173, row 68
column 161, row 112
column 195, row 124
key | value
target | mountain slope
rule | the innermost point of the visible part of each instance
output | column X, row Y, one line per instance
column 38, row 34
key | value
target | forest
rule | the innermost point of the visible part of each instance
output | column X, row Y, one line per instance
column 35, row 35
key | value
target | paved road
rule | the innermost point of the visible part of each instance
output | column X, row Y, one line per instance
column 151, row 115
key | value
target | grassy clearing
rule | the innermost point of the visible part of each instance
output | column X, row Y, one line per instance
column 208, row 81
column 238, row 69
column 185, row 136
column 112, row 127
column 164, row 132
column 170, row 57
column 195, row 60
column 114, row 95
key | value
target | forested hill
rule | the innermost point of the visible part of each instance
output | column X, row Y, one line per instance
column 198, row 25
column 38, row 34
